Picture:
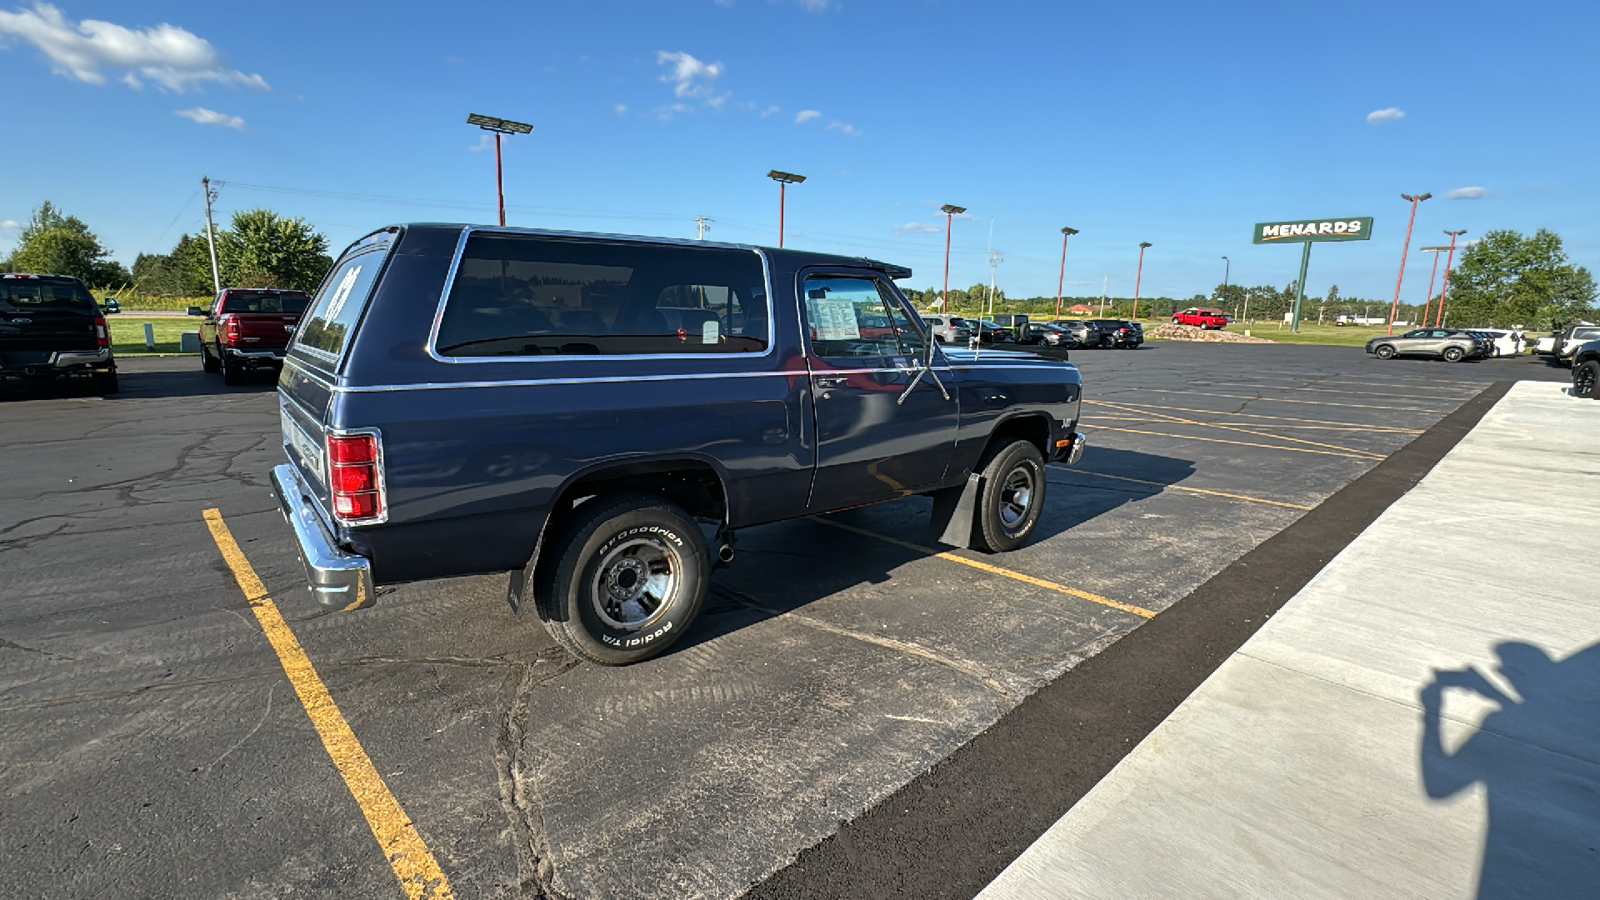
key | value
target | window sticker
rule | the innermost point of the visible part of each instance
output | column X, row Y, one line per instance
column 834, row 318
column 711, row 332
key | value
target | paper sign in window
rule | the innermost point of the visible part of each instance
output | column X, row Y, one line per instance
column 710, row 333
column 834, row 319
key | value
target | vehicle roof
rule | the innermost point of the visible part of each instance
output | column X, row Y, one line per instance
column 41, row 276
column 795, row 257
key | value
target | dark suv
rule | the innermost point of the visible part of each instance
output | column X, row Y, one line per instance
column 1119, row 333
column 50, row 327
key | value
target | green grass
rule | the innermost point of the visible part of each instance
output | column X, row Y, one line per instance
column 1312, row 333
column 127, row 334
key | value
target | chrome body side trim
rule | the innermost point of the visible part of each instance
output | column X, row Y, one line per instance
column 336, row 579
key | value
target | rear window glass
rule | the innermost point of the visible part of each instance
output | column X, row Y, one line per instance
column 530, row 295
column 40, row 294
column 326, row 330
column 265, row 301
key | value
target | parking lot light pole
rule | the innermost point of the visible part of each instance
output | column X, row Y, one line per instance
column 784, row 179
column 499, row 127
column 1137, row 275
column 1227, row 268
column 1449, row 257
column 950, row 212
column 1395, row 307
column 1062, row 278
column 1432, row 279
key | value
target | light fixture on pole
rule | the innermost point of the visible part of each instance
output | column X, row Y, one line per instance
column 1137, row 275
column 1395, row 308
column 950, row 212
column 784, row 179
column 1062, row 278
column 1431, row 280
column 499, row 127
column 1449, row 257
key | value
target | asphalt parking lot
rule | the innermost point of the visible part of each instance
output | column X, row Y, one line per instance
column 155, row 742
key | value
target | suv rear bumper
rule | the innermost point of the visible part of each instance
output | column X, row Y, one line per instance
column 57, row 361
column 338, row 580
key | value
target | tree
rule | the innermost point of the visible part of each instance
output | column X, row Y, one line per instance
column 1508, row 279
column 1333, row 295
column 264, row 249
column 62, row 245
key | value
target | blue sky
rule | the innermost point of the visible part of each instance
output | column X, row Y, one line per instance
column 1175, row 123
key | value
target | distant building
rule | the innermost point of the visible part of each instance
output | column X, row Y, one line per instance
column 1078, row 309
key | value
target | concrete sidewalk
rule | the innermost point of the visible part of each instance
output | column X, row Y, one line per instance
column 1421, row 720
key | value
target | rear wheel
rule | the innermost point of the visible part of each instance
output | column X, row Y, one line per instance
column 1453, row 354
column 625, row 579
column 1012, row 496
column 105, row 382
column 232, row 372
column 1586, row 380
column 1107, row 342
column 1384, row 351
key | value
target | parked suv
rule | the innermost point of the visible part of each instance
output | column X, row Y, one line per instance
column 1444, row 343
column 50, row 327
column 1563, row 344
column 247, row 329
column 1084, row 334
column 948, row 329
column 571, row 408
column 1586, row 370
column 1119, row 333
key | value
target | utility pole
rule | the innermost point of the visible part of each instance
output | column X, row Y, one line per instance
column 1405, row 248
column 701, row 226
column 1447, row 260
column 1103, row 280
column 1061, row 279
column 211, row 241
column 994, row 264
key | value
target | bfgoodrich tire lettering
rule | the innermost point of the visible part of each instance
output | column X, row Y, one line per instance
column 625, row 579
column 1011, row 499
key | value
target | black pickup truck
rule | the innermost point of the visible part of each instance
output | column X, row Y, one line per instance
column 571, row 408
column 50, row 327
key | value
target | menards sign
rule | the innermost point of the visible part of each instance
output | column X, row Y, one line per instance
column 1358, row 228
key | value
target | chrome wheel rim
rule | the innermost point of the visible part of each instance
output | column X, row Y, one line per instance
column 1016, row 497
column 635, row 583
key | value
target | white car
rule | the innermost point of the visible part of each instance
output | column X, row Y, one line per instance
column 1506, row 341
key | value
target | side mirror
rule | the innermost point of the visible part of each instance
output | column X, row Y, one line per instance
column 112, row 306
column 197, row 310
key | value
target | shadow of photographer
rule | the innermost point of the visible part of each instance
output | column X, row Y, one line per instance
column 1538, row 758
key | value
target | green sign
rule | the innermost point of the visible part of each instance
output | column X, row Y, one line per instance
column 1358, row 228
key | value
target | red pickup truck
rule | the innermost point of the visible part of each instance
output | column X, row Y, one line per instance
column 248, row 328
column 1201, row 316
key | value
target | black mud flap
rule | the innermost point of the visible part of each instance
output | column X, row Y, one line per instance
column 519, row 590
column 955, row 513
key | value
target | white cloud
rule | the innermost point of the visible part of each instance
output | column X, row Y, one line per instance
column 692, row 79
column 806, row 115
column 842, row 128
column 485, row 141
column 173, row 58
column 815, row 5
column 1466, row 193
column 668, row 113
column 770, row 111
column 622, row 109
column 918, row 228
column 211, row 117
column 1387, row 114
column 10, row 224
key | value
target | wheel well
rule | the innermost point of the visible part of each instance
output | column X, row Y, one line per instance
column 691, row 484
column 1034, row 429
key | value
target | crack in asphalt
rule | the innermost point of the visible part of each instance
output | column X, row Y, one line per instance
column 518, row 795
column 45, row 653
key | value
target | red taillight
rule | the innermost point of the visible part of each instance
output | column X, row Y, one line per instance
column 354, row 478
column 101, row 336
column 230, row 326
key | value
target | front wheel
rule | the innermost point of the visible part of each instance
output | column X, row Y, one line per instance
column 1107, row 342
column 1586, row 380
column 1384, row 352
column 1453, row 354
column 207, row 362
column 1012, row 497
column 625, row 579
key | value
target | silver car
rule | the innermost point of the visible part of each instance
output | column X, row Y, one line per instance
column 1444, row 343
column 948, row 329
column 1084, row 333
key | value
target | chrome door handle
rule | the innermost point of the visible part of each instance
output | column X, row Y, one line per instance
column 828, row 381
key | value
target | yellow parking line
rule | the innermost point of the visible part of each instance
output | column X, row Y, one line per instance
column 1183, row 421
column 1190, row 437
column 413, row 864
column 995, row 570
column 1245, row 415
column 1426, row 409
column 1192, row 490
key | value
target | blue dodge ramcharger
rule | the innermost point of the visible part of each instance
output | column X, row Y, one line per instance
column 570, row 408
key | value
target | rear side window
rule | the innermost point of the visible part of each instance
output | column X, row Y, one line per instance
column 40, row 294
column 265, row 302
column 326, row 330
column 533, row 295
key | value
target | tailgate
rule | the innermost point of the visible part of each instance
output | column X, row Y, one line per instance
column 262, row 331
column 46, row 330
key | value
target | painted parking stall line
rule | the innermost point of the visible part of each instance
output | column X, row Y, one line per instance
column 414, row 865
column 1159, row 487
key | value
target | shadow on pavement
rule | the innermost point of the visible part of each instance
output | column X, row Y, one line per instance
column 1538, row 758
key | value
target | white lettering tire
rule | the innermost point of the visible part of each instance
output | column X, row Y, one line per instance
column 624, row 579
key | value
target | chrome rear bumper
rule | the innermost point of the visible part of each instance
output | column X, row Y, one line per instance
column 338, row 580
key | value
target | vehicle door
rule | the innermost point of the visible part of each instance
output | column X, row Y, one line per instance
column 885, row 428
column 1438, row 339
